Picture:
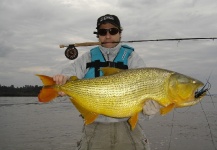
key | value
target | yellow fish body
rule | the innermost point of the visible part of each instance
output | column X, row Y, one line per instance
column 124, row 93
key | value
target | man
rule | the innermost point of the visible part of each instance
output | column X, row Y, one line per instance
column 109, row 133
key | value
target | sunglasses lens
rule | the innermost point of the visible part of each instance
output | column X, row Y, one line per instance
column 103, row 32
column 113, row 31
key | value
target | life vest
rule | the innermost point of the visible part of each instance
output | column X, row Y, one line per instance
column 98, row 60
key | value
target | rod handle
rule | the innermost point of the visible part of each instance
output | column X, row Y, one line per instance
column 81, row 44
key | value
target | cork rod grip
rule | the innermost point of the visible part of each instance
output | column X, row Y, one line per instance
column 81, row 44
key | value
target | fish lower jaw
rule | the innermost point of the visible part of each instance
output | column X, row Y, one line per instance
column 189, row 103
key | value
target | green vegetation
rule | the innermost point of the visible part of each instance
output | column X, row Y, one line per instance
column 27, row 90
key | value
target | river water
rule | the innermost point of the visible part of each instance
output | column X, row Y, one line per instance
column 27, row 124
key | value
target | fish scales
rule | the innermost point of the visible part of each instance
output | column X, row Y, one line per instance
column 123, row 91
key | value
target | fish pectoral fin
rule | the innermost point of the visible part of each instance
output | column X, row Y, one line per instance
column 88, row 116
column 133, row 121
column 109, row 70
column 167, row 109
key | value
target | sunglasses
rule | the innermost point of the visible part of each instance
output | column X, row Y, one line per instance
column 112, row 31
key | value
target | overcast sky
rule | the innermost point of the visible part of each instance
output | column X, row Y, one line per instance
column 31, row 31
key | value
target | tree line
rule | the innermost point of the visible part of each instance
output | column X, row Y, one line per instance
column 27, row 90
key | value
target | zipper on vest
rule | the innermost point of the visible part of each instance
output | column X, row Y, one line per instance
column 108, row 55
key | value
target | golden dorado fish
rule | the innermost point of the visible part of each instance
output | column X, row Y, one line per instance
column 123, row 93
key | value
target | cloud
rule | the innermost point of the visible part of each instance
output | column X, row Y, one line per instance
column 5, row 49
column 31, row 32
column 35, row 69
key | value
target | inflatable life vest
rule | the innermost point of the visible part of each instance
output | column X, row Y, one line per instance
column 98, row 60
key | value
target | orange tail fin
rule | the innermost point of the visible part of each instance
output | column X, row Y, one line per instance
column 48, row 92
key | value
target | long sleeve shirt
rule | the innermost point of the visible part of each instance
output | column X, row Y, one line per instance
column 78, row 68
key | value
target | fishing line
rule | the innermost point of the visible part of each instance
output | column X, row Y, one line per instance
column 211, row 135
column 178, row 43
column 171, row 131
column 184, row 111
column 209, row 87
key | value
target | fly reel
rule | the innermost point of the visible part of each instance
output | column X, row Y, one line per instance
column 71, row 52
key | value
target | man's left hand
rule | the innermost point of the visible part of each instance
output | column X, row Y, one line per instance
column 151, row 108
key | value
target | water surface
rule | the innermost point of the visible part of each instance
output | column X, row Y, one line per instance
column 28, row 124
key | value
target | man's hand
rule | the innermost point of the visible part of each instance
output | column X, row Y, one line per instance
column 151, row 108
column 60, row 79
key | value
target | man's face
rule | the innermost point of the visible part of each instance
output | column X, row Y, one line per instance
column 108, row 37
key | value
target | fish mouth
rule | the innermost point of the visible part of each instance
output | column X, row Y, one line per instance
column 202, row 92
column 196, row 97
column 191, row 103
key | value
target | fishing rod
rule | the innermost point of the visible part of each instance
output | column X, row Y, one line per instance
column 72, row 53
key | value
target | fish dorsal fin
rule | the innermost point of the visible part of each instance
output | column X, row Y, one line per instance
column 73, row 78
column 133, row 121
column 167, row 109
column 110, row 70
column 88, row 116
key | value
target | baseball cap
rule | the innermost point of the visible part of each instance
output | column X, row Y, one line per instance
column 108, row 19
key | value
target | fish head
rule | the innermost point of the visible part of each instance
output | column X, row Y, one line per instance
column 182, row 89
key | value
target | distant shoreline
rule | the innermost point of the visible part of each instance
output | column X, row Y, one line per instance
column 18, row 95
column 25, row 91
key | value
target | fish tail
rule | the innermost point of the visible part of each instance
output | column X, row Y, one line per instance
column 48, row 91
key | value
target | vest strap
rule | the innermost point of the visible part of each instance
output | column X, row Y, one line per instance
column 97, row 64
column 98, row 60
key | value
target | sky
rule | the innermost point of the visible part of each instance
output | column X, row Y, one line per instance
column 32, row 30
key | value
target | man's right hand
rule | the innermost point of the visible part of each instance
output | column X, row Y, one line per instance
column 60, row 80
